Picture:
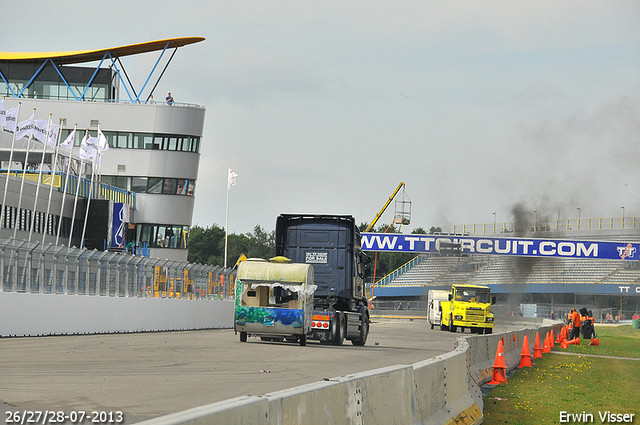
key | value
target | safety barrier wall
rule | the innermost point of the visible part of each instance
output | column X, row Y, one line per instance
column 27, row 314
column 437, row 391
column 50, row 289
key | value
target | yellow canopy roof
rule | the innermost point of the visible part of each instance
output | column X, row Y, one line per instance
column 81, row 56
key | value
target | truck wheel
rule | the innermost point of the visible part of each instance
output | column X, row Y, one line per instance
column 452, row 327
column 341, row 329
column 443, row 327
column 334, row 327
column 487, row 331
column 432, row 326
column 243, row 337
column 364, row 332
column 303, row 340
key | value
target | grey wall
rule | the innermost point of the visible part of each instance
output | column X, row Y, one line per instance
column 26, row 314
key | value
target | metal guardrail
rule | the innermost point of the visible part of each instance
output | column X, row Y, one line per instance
column 156, row 103
column 400, row 270
column 541, row 226
column 32, row 267
column 85, row 188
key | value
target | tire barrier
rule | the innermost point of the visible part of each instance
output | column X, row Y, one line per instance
column 437, row 391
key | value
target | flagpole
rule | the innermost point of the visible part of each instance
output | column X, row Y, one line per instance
column 66, row 184
column 35, row 201
column 231, row 181
column 99, row 178
column 86, row 214
column 75, row 202
column 24, row 172
column 226, row 228
column 6, row 182
column 52, row 181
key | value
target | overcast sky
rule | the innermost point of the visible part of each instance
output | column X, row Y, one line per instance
column 326, row 106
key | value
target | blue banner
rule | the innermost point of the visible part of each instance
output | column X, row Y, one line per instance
column 118, row 224
column 523, row 247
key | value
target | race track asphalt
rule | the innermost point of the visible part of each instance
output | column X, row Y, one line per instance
column 146, row 375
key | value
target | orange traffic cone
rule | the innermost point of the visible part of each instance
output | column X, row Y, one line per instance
column 514, row 337
column 552, row 342
column 537, row 350
column 525, row 357
column 563, row 335
column 499, row 375
column 594, row 341
column 546, row 347
column 575, row 341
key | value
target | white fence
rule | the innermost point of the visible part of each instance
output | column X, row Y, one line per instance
column 50, row 290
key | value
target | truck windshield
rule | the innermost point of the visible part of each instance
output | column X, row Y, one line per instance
column 473, row 295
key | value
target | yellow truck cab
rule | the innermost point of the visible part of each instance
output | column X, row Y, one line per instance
column 468, row 306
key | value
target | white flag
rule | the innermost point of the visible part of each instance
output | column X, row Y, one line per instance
column 25, row 128
column 103, row 144
column 68, row 142
column 11, row 118
column 94, row 142
column 3, row 114
column 89, row 149
column 52, row 136
column 231, row 180
column 40, row 130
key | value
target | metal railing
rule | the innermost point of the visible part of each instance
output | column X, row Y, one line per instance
column 32, row 267
column 548, row 225
column 400, row 270
column 98, row 190
column 156, row 102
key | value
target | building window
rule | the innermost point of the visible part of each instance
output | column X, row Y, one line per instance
column 121, row 182
column 127, row 140
column 169, row 187
column 182, row 187
column 142, row 141
column 154, row 185
column 163, row 236
column 139, row 184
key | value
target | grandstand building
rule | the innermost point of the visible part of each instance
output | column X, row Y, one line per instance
column 553, row 284
column 151, row 164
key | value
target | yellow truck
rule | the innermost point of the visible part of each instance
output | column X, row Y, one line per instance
column 468, row 306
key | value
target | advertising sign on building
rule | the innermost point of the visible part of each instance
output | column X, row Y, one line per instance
column 524, row 247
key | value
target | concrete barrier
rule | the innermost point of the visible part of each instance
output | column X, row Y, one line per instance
column 29, row 314
column 437, row 391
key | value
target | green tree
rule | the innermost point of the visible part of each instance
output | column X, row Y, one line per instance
column 262, row 243
column 206, row 245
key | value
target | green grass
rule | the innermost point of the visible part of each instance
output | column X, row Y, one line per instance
column 572, row 383
column 616, row 341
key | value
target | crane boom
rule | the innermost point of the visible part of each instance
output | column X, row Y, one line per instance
column 377, row 217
